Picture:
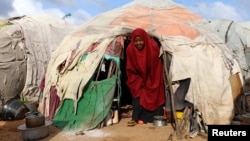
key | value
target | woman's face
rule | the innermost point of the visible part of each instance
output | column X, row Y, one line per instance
column 138, row 42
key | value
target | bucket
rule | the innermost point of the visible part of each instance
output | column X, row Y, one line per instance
column 13, row 109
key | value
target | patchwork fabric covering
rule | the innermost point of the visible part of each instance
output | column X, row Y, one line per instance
column 26, row 44
column 197, row 53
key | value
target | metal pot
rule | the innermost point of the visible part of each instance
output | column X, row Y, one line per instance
column 37, row 133
column 160, row 121
column 34, row 119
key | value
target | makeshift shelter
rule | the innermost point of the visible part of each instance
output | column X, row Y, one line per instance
column 196, row 53
column 26, row 43
column 237, row 37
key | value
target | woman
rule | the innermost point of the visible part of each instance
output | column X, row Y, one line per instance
column 144, row 77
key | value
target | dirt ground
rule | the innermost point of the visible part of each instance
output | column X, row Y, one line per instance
column 116, row 132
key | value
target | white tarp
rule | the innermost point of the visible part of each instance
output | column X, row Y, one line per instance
column 237, row 36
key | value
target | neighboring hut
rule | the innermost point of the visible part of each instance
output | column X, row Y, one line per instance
column 77, row 96
column 26, row 44
column 237, row 37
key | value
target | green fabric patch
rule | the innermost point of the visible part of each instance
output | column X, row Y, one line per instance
column 92, row 108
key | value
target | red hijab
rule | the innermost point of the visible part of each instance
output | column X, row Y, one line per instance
column 145, row 71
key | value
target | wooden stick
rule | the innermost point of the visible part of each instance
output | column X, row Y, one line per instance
column 169, row 80
column 99, row 69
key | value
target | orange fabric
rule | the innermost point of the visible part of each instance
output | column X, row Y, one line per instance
column 145, row 71
column 169, row 22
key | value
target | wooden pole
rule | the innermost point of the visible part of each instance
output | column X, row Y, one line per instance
column 169, row 82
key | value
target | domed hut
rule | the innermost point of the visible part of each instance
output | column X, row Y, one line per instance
column 77, row 96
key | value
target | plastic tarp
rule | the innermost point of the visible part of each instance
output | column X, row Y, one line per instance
column 197, row 53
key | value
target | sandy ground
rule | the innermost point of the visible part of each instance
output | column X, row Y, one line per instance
column 115, row 132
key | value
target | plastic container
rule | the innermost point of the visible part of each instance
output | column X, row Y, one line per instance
column 179, row 115
column 13, row 109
